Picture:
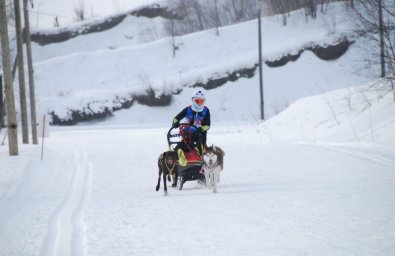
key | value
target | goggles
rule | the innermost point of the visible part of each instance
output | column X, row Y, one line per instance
column 199, row 101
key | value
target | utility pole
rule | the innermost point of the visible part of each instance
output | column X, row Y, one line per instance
column 7, row 72
column 31, row 74
column 1, row 103
column 381, row 31
column 260, row 67
column 21, row 72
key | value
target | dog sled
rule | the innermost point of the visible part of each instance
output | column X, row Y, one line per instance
column 182, row 138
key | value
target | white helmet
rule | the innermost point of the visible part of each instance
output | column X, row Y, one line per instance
column 198, row 99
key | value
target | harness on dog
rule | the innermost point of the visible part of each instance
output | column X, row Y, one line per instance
column 210, row 168
column 167, row 167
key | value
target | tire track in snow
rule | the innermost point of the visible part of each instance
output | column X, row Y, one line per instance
column 66, row 233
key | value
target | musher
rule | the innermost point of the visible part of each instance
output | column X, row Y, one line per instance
column 197, row 115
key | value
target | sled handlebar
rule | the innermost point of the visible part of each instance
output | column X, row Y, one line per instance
column 169, row 135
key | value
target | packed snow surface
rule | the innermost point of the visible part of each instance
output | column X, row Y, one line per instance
column 314, row 179
column 280, row 193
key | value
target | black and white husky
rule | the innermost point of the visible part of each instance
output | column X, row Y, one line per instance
column 213, row 163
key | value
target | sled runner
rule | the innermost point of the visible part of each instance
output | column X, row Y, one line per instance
column 185, row 141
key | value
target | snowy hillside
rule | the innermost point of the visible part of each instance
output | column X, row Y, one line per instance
column 83, row 76
column 44, row 12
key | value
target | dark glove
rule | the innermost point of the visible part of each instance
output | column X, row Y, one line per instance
column 176, row 124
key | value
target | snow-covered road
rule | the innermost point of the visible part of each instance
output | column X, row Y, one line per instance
column 93, row 194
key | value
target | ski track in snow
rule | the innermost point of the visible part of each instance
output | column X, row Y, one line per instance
column 369, row 155
column 373, row 157
column 66, row 234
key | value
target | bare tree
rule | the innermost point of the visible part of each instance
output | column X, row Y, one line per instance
column 199, row 13
column 171, row 29
column 324, row 5
column 310, row 8
column 352, row 3
column 32, row 96
column 376, row 21
column 238, row 9
column 280, row 6
column 21, row 72
column 1, row 103
column 11, row 113
column 183, row 9
column 56, row 22
column 216, row 17
column 206, row 14
column 79, row 11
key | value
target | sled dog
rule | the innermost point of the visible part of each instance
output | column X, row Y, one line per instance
column 167, row 166
column 213, row 163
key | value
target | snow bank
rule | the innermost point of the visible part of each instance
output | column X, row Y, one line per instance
column 359, row 114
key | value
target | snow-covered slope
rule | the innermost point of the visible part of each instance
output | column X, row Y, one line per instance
column 44, row 12
column 80, row 72
column 131, row 31
column 357, row 114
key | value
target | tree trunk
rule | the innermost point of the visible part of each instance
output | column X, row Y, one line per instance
column 261, row 96
column 31, row 75
column 11, row 114
column 21, row 72
column 1, row 103
column 381, row 31
column 199, row 14
column 216, row 17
